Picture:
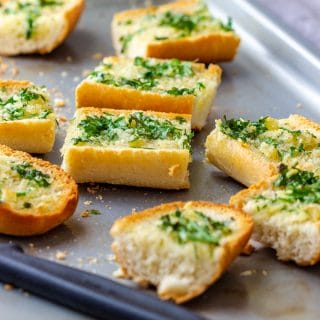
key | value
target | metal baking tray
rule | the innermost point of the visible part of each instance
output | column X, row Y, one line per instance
column 274, row 74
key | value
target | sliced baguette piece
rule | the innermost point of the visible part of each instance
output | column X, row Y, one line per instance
column 27, row 121
column 150, row 252
column 183, row 29
column 36, row 196
column 250, row 151
column 152, row 84
column 136, row 148
column 33, row 26
column 286, row 214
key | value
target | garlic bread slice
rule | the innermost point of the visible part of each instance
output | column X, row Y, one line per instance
column 35, row 195
column 181, row 248
column 286, row 214
column 27, row 121
column 250, row 151
column 184, row 30
column 135, row 148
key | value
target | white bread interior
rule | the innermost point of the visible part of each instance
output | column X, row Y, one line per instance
column 149, row 255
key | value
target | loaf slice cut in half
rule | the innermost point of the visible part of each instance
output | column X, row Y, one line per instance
column 27, row 121
column 184, row 30
column 181, row 248
column 136, row 148
column 286, row 214
column 36, row 195
column 152, row 84
column 36, row 26
column 250, row 151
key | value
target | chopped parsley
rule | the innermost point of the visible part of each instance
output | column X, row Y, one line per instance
column 292, row 186
column 294, row 177
column 27, row 171
column 243, row 129
column 228, row 26
column 159, row 38
column 151, row 72
column 16, row 106
column 93, row 212
column 125, row 40
column 32, row 10
column 171, row 68
column 275, row 142
column 108, row 78
column 139, row 127
column 185, row 91
column 180, row 21
column 194, row 227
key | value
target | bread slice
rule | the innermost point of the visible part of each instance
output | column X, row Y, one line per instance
column 286, row 213
column 184, row 30
column 181, row 248
column 27, row 121
column 33, row 26
column 250, row 151
column 36, row 196
column 146, row 149
column 151, row 84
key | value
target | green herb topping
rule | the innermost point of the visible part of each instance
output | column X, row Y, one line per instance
column 108, row 78
column 172, row 68
column 172, row 24
column 299, row 185
column 16, row 107
column 181, row 21
column 93, row 212
column 243, row 129
column 293, row 191
column 32, row 9
column 95, row 129
column 151, row 73
column 27, row 171
column 195, row 227
column 228, row 26
column 274, row 140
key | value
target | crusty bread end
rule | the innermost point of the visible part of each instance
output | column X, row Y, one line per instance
column 148, row 254
column 52, row 28
column 298, row 241
column 46, row 216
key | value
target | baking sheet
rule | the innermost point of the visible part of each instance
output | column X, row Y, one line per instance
column 272, row 75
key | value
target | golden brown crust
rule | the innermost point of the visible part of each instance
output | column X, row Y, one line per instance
column 99, row 95
column 71, row 16
column 29, row 135
column 237, row 159
column 211, row 48
column 13, row 84
column 19, row 223
column 132, row 167
column 231, row 249
column 122, row 223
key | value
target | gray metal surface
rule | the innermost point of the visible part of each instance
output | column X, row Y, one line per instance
column 272, row 75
